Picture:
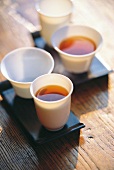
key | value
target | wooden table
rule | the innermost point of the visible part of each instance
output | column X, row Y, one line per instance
column 92, row 102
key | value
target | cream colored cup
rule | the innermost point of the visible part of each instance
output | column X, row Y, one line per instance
column 23, row 65
column 52, row 15
column 53, row 115
column 72, row 62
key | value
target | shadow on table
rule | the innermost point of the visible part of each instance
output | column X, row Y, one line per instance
column 62, row 152
column 87, row 97
column 90, row 96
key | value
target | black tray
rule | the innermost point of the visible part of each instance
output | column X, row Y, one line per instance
column 98, row 68
column 24, row 112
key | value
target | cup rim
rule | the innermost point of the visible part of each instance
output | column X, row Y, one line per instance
column 73, row 55
column 55, row 16
column 19, row 49
column 52, row 102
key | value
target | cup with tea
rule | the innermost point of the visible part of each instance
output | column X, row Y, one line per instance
column 52, row 98
column 52, row 15
column 77, row 46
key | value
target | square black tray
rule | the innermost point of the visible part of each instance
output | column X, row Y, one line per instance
column 23, row 111
column 98, row 67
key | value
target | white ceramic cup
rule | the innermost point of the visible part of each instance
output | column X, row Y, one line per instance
column 52, row 15
column 53, row 115
column 76, row 63
column 23, row 65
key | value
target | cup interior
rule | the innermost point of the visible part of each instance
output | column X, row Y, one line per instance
column 51, row 79
column 76, row 30
column 54, row 7
column 25, row 64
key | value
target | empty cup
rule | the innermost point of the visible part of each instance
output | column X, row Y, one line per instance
column 52, row 15
column 23, row 65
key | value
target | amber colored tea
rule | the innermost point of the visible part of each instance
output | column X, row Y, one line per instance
column 51, row 93
column 77, row 45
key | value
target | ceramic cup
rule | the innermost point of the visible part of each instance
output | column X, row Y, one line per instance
column 53, row 115
column 52, row 15
column 77, row 63
column 23, row 65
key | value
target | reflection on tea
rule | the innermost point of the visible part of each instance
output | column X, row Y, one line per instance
column 51, row 93
column 77, row 45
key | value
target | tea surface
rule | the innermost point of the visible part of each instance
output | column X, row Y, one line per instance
column 51, row 93
column 77, row 45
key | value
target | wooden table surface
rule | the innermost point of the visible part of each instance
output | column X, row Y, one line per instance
column 92, row 102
